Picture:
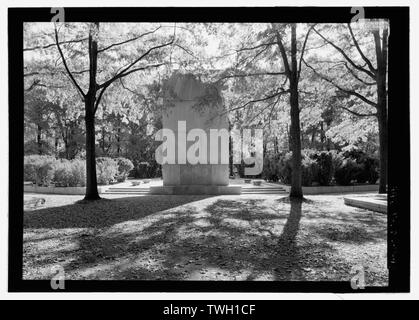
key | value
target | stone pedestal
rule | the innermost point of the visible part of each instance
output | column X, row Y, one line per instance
column 200, row 106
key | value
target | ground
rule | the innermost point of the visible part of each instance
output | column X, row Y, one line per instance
column 258, row 237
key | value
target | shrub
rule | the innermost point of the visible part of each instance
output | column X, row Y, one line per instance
column 70, row 173
column 107, row 170
column 285, row 168
column 62, row 173
column 309, row 171
column 124, row 168
column 146, row 170
column 325, row 168
column 346, row 172
column 367, row 166
column 78, row 172
column 29, row 170
column 39, row 169
column 271, row 168
column 370, row 170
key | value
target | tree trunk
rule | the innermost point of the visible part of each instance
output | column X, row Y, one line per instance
column 56, row 139
column 118, row 150
column 91, row 179
column 90, row 99
column 295, row 131
column 39, row 139
column 382, row 124
column 296, row 188
column 382, row 131
column 103, row 141
column 381, row 53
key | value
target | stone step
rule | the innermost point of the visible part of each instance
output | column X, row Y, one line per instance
column 129, row 190
column 265, row 192
column 262, row 188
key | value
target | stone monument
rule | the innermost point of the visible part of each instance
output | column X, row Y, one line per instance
column 190, row 104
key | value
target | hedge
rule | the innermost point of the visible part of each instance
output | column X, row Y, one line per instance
column 46, row 170
column 323, row 167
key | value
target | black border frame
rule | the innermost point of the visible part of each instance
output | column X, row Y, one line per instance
column 399, row 141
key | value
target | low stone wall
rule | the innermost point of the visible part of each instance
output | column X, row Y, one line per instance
column 367, row 203
column 337, row 189
column 196, row 190
column 58, row 190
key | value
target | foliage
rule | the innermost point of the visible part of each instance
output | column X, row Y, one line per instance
column 70, row 173
column 146, row 170
column 39, row 169
column 107, row 170
column 367, row 166
column 249, row 72
column 323, row 167
column 347, row 172
column 124, row 168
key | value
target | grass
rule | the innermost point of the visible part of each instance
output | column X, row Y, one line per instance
column 205, row 238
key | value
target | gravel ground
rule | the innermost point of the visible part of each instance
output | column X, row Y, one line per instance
column 257, row 237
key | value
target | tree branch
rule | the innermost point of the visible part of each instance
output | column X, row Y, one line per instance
column 283, row 54
column 129, row 40
column 121, row 74
column 372, row 75
column 302, row 51
column 370, row 66
column 53, row 44
column 65, row 65
column 351, row 92
column 358, row 78
column 357, row 113
column 256, row 47
column 251, row 75
column 125, row 72
column 277, row 93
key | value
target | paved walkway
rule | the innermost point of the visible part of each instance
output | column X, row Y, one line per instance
column 127, row 187
column 376, row 202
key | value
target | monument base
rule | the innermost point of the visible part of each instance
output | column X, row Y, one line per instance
column 196, row 190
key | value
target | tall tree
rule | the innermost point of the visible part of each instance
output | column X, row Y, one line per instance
column 278, row 44
column 106, row 63
column 367, row 69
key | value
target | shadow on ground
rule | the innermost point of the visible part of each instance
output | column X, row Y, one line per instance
column 204, row 238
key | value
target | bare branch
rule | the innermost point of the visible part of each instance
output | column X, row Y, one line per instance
column 283, row 54
column 129, row 40
column 360, row 68
column 98, row 99
column 53, row 44
column 358, row 78
column 351, row 92
column 357, row 113
column 106, row 84
column 255, row 47
column 370, row 66
column 65, row 64
column 125, row 72
column 136, row 94
column 302, row 51
column 277, row 93
column 121, row 74
column 36, row 73
column 251, row 75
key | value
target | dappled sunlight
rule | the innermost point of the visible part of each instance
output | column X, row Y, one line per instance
column 208, row 238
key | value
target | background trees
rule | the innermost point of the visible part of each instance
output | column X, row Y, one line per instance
column 96, row 89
